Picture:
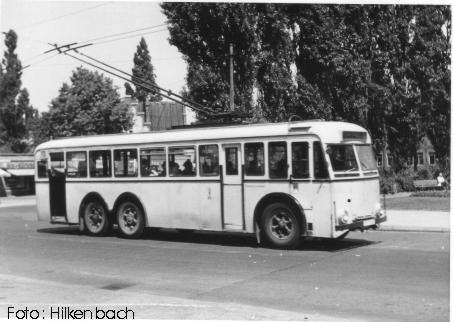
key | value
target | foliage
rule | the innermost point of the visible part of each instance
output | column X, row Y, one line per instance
column 437, row 194
column 387, row 181
column 142, row 72
column 15, row 109
column 405, row 179
column 385, row 67
column 89, row 105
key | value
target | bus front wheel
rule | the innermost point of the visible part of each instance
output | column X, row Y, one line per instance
column 96, row 221
column 280, row 226
column 130, row 218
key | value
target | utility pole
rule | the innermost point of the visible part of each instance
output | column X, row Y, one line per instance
column 231, row 79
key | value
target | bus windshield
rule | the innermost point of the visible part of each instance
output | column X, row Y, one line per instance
column 366, row 157
column 342, row 158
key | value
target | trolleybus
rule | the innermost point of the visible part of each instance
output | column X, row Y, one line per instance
column 281, row 181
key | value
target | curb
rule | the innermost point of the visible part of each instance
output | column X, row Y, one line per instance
column 416, row 229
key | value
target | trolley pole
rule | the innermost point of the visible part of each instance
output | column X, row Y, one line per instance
column 231, row 79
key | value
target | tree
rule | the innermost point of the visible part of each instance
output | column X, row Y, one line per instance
column 89, row 105
column 385, row 67
column 203, row 33
column 143, row 72
column 10, row 83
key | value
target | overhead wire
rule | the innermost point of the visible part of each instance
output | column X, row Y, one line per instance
column 62, row 16
column 130, row 36
column 144, row 85
column 142, row 80
column 93, row 40
column 122, row 33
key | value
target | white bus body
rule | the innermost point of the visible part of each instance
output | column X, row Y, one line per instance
column 290, row 175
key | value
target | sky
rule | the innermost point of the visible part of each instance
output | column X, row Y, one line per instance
column 38, row 23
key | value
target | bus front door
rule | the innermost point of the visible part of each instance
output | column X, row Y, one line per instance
column 57, row 187
column 232, row 187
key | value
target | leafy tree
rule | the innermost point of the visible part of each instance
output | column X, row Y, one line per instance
column 386, row 67
column 203, row 33
column 143, row 71
column 89, row 105
column 10, row 83
column 430, row 64
column 15, row 109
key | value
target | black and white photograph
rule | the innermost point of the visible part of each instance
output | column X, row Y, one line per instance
column 252, row 161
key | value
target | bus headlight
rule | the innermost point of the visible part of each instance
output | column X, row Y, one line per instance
column 343, row 217
column 378, row 211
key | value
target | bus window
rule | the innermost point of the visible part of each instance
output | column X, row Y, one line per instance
column 76, row 164
column 319, row 162
column 152, row 162
column 41, row 165
column 342, row 158
column 300, row 160
column 181, row 161
column 57, row 161
column 254, row 159
column 209, row 160
column 278, row 165
column 125, row 162
column 231, row 157
column 366, row 157
column 100, row 164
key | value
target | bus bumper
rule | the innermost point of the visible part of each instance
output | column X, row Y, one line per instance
column 369, row 223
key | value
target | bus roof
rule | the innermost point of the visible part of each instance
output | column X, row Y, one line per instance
column 328, row 131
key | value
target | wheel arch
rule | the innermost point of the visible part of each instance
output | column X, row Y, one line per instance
column 92, row 196
column 282, row 198
column 129, row 196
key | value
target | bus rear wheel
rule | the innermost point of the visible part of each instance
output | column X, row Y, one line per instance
column 96, row 221
column 280, row 226
column 130, row 219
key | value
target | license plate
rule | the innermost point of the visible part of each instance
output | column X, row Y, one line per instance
column 369, row 222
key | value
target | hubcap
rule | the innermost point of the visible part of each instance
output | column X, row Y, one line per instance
column 129, row 218
column 282, row 225
column 95, row 218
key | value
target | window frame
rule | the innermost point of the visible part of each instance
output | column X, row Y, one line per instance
column 308, row 160
column 114, row 160
column 263, row 166
column 285, row 166
column 165, row 172
column 67, row 166
column 194, row 168
column 110, row 162
column 422, row 158
column 200, row 165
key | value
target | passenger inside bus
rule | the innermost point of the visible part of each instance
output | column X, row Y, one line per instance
column 253, row 166
column 188, row 168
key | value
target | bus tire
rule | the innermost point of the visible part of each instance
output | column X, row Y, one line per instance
column 280, row 226
column 130, row 219
column 96, row 220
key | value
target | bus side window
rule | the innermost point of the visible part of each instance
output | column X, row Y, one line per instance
column 319, row 162
column 254, row 159
column 100, row 164
column 57, row 162
column 209, row 160
column 125, row 163
column 76, row 164
column 278, row 165
column 231, row 158
column 181, row 161
column 42, row 167
column 299, row 159
column 152, row 162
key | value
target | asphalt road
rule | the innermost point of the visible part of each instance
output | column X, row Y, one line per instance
column 375, row 276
